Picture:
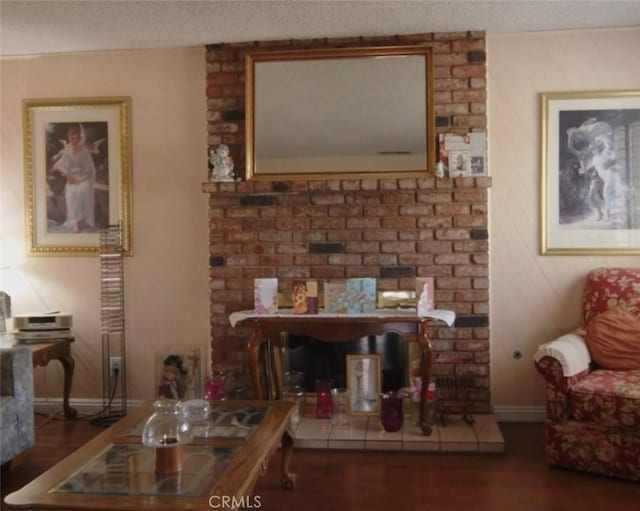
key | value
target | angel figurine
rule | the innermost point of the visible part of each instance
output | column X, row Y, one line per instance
column 222, row 164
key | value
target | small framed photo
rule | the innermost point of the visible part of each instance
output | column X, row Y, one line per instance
column 363, row 384
column 77, row 173
column 459, row 163
column 590, row 176
column 179, row 373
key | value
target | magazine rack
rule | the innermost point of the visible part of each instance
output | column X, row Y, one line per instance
column 114, row 381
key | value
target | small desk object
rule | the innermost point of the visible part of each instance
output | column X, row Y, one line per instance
column 331, row 327
column 43, row 352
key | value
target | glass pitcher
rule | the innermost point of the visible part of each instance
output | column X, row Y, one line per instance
column 166, row 430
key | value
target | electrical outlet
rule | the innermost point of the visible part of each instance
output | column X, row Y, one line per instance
column 115, row 364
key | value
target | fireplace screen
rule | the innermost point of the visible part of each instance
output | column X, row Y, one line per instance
column 326, row 360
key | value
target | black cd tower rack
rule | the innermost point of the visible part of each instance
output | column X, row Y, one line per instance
column 114, row 366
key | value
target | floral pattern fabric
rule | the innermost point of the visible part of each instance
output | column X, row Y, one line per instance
column 594, row 448
column 610, row 398
column 593, row 418
column 611, row 287
column 557, row 387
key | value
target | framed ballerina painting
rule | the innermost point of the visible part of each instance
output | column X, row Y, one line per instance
column 77, row 173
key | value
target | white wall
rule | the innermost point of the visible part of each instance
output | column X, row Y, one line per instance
column 534, row 298
column 167, row 300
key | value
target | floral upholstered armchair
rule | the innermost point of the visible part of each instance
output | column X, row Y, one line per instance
column 593, row 380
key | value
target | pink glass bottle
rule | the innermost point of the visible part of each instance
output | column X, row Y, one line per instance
column 215, row 386
column 324, row 400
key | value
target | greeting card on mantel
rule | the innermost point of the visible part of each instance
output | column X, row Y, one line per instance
column 299, row 297
column 353, row 296
column 361, row 295
column 335, row 297
column 265, row 293
column 425, row 295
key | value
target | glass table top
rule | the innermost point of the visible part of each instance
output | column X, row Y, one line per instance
column 130, row 469
column 224, row 421
column 116, row 471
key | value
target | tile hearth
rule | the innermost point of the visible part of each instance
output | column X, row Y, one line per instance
column 366, row 433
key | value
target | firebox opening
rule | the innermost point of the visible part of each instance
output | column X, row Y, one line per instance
column 326, row 360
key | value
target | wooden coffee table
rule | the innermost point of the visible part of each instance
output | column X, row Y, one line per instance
column 114, row 471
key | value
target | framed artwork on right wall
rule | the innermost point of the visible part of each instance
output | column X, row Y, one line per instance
column 590, row 172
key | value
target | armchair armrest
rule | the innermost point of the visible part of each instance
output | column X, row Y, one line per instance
column 16, row 413
column 570, row 350
column 562, row 362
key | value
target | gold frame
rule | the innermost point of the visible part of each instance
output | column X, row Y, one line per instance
column 252, row 57
column 351, row 359
column 37, row 114
column 559, row 110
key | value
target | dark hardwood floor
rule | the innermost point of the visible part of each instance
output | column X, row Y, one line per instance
column 517, row 480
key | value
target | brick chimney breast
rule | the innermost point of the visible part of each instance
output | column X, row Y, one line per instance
column 392, row 229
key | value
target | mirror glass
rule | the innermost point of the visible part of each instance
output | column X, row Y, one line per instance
column 340, row 113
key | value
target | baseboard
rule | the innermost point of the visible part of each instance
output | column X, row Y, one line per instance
column 520, row 413
column 83, row 407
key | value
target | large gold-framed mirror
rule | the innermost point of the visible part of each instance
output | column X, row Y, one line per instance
column 340, row 113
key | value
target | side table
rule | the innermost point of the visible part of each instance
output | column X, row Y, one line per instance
column 331, row 327
column 43, row 352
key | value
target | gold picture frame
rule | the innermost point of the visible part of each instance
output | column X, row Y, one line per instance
column 327, row 128
column 590, row 172
column 363, row 384
column 77, row 173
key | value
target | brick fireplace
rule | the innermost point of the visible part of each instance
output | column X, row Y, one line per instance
column 390, row 229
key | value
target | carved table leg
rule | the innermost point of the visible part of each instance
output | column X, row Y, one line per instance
column 43, row 353
column 427, row 361
column 68, row 364
column 288, row 479
column 253, row 350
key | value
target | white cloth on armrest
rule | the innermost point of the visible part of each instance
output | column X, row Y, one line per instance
column 570, row 350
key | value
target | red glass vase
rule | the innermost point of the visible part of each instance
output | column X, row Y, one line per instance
column 215, row 386
column 324, row 400
column 391, row 414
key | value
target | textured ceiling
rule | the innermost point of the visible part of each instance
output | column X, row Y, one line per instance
column 36, row 27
